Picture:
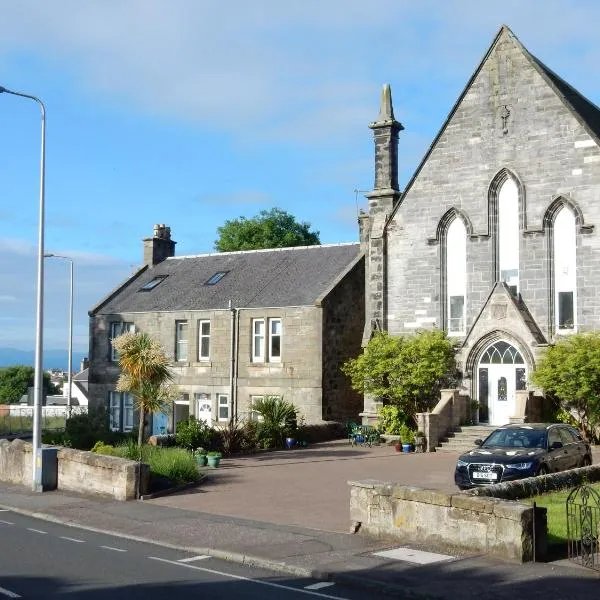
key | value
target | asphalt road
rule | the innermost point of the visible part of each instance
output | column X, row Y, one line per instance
column 40, row 559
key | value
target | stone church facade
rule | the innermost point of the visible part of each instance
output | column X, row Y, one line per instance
column 494, row 238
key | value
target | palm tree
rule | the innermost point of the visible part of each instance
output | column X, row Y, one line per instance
column 145, row 374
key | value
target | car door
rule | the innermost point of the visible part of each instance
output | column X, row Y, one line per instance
column 558, row 459
column 571, row 444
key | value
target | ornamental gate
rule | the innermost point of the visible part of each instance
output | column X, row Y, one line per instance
column 583, row 520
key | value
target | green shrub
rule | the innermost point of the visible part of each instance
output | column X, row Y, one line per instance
column 407, row 435
column 85, row 429
column 390, row 419
column 105, row 449
column 279, row 420
column 193, row 433
column 175, row 464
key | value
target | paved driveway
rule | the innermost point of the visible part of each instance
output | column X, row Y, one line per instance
column 308, row 487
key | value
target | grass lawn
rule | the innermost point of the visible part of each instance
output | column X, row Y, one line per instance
column 555, row 503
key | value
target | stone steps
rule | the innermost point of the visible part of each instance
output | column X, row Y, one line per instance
column 463, row 438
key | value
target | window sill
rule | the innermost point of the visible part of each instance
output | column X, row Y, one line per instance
column 181, row 363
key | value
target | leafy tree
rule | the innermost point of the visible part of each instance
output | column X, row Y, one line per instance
column 14, row 382
column 570, row 371
column 273, row 228
column 145, row 374
column 407, row 372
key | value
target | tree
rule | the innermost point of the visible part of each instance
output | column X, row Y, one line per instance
column 14, row 382
column 145, row 374
column 570, row 370
column 273, row 228
column 407, row 372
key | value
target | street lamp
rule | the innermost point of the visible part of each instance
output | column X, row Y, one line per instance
column 39, row 328
column 69, row 381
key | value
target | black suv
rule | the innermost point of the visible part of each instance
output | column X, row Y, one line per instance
column 518, row 451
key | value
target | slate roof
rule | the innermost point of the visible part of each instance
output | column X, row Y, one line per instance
column 259, row 278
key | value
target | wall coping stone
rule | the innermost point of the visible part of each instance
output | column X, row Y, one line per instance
column 483, row 505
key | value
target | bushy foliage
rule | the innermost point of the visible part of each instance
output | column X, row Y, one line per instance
column 407, row 434
column 279, row 419
column 570, row 370
column 273, row 228
column 390, row 419
column 406, row 371
column 194, row 433
column 14, row 382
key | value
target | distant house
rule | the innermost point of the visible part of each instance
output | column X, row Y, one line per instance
column 239, row 326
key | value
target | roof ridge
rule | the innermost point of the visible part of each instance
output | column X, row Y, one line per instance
column 235, row 252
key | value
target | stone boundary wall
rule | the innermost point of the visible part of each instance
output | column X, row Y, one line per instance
column 78, row 471
column 466, row 522
column 534, row 486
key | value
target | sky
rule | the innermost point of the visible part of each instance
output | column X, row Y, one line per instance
column 193, row 112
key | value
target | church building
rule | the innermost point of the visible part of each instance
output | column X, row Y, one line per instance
column 494, row 238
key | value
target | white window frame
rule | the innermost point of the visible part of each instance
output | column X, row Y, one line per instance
column 456, row 274
column 258, row 340
column 222, row 402
column 273, row 357
column 564, row 238
column 118, row 328
column 120, row 410
column 181, row 340
column 509, row 234
column 203, row 357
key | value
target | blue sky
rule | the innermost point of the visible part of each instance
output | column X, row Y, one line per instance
column 192, row 112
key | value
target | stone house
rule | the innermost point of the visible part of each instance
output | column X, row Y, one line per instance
column 493, row 238
column 239, row 326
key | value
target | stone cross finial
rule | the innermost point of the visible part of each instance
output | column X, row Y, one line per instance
column 504, row 114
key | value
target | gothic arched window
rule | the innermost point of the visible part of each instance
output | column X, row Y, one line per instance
column 565, row 259
column 508, row 234
column 456, row 276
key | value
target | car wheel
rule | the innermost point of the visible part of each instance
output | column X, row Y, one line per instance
column 543, row 470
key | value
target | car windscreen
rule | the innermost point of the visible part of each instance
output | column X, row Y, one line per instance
column 516, row 438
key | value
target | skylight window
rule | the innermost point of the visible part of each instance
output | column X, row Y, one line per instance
column 216, row 278
column 152, row 283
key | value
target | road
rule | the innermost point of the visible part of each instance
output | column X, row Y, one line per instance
column 40, row 559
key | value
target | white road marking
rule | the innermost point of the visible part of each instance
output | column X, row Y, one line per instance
column 36, row 530
column 114, row 549
column 193, row 558
column 63, row 537
column 319, row 586
column 8, row 593
column 6, row 522
column 414, row 556
column 3, row 509
column 249, row 579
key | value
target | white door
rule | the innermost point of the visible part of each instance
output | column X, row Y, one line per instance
column 204, row 408
column 501, row 380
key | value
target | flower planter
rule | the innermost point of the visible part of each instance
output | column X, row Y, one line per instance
column 213, row 461
column 201, row 460
column 290, row 443
column 406, row 448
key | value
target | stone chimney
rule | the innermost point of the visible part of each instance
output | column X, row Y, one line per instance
column 159, row 246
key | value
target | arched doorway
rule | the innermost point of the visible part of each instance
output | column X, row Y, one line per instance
column 501, row 371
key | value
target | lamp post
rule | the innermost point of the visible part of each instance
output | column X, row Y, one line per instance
column 69, row 380
column 39, row 328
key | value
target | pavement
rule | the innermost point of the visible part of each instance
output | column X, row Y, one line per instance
column 287, row 511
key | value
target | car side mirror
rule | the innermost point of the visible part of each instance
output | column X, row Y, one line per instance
column 478, row 442
column 556, row 446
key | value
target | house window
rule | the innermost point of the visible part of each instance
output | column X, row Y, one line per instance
column 508, row 235
column 214, row 279
column 275, row 340
column 223, row 407
column 118, row 328
column 565, row 256
column 204, row 340
column 147, row 287
column 181, row 340
column 258, row 340
column 120, row 410
column 456, row 276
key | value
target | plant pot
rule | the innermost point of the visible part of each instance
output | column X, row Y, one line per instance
column 406, row 448
column 201, row 460
column 290, row 443
column 213, row 461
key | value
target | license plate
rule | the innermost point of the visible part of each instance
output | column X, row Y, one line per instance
column 485, row 475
